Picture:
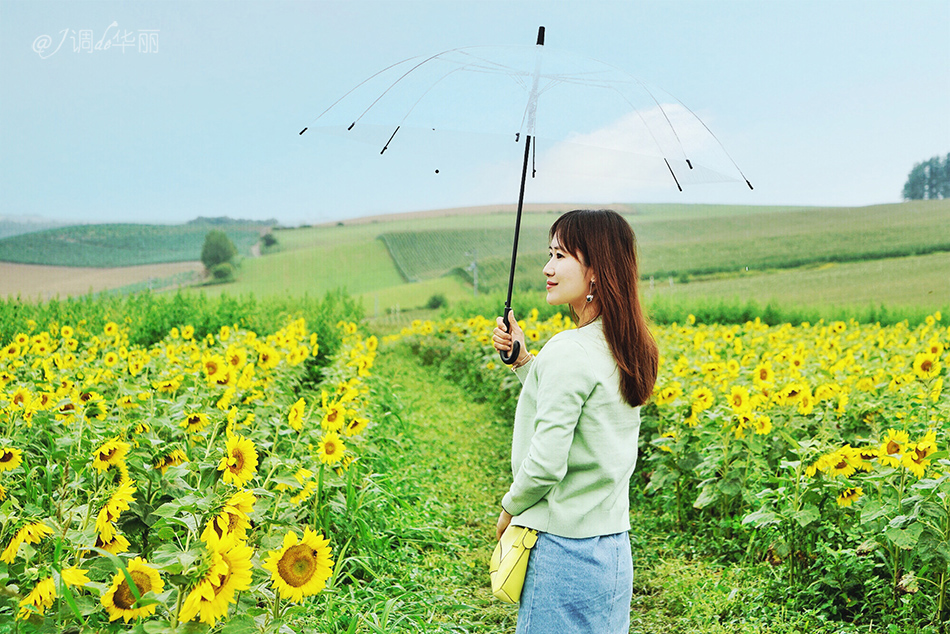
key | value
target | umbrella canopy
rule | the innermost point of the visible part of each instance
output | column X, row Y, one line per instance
column 577, row 118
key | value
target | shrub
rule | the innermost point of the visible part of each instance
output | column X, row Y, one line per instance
column 223, row 272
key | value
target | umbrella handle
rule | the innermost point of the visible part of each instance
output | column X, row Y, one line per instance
column 515, row 351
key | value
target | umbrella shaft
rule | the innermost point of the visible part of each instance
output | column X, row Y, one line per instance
column 514, row 247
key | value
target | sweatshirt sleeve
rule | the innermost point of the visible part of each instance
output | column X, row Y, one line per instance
column 564, row 384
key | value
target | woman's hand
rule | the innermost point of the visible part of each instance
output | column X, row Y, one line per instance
column 502, row 339
column 503, row 521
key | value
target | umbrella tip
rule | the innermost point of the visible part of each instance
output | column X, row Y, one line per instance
column 748, row 183
column 302, row 131
column 540, row 36
column 690, row 163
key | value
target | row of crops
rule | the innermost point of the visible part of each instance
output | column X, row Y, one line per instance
column 731, row 241
column 816, row 450
column 184, row 481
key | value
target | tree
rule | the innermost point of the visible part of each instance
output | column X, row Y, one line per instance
column 929, row 180
column 217, row 249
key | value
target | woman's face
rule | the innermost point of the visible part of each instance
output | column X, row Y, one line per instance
column 568, row 278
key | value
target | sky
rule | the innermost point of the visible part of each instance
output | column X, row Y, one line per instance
column 162, row 111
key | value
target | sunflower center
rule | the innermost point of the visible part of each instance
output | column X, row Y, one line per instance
column 123, row 598
column 927, row 365
column 237, row 462
column 6, row 456
column 330, row 447
column 298, row 565
column 893, row 448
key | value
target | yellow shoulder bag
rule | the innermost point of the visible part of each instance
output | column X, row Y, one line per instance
column 509, row 562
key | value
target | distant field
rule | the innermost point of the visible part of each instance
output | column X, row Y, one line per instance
column 34, row 282
column 908, row 281
column 121, row 245
column 806, row 256
column 681, row 240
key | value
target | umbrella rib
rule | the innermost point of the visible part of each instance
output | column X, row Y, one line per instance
column 408, row 59
column 440, row 55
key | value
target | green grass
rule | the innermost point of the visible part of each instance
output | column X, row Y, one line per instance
column 430, row 484
column 114, row 245
column 920, row 280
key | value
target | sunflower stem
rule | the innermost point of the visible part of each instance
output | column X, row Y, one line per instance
column 180, row 602
column 317, row 506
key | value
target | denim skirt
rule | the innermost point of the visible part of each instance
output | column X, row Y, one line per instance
column 577, row 586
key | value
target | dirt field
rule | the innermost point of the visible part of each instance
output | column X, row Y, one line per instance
column 30, row 281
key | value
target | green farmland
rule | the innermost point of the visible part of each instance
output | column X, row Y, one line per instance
column 116, row 245
column 895, row 255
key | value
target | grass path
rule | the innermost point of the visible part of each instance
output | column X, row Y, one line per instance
column 444, row 467
column 449, row 461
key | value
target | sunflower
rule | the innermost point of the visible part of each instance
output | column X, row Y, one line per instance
column 119, row 600
column 330, row 449
column 39, row 600
column 806, row 403
column 110, row 359
column 115, row 546
column 233, row 520
column 195, row 422
column 110, row 453
column 300, row 569
column 739, row 398
column 703, row 399
column 239, row 462
column 864, row 456
column 892, row 447
column 74, row 576
column 356, row 426
column 211, row 596
column 21, row 397
column 171, row 459
column 109, row 514
column 669, row 393
column 267, row 358
column 30, row 533
column 848, row 496
column 762, row 425
column 916, row 458
column 10, row 458
column 295, row 416
column 926, row 366
column 763, row 374
column 841, row 462
column 334, row 418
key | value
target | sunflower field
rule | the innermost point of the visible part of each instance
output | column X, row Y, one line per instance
column 817, row 451
column 175, row 486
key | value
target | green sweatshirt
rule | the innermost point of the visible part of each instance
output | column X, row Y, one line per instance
column 574, row 445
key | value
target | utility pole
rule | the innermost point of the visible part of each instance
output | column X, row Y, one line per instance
column 473, row 267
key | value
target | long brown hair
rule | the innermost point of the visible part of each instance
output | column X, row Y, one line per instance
column 603, row 240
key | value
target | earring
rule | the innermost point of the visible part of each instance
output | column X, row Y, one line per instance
column 590, row 292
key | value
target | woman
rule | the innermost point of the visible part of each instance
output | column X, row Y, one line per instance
column 574, row 444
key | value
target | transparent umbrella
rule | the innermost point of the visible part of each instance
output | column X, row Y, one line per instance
column 579, row 121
